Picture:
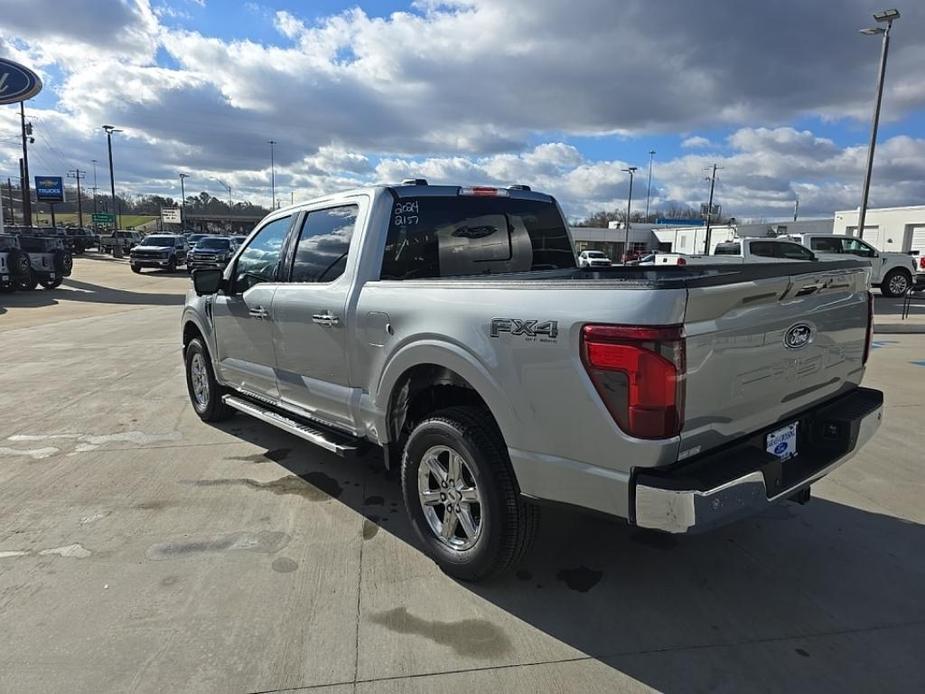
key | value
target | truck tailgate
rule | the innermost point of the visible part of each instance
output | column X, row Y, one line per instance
column 760, row 351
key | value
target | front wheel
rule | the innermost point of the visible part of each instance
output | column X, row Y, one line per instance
column 172, row 265
column 461, row 497
column 204, row 391
column 896, row 283
column 136, row 269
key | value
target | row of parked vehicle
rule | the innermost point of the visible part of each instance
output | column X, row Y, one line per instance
column 895, row 274
column 172, row 251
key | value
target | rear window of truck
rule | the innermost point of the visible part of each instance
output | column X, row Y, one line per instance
column 456, row 236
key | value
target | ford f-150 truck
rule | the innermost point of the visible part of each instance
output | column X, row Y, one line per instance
column 451, row 328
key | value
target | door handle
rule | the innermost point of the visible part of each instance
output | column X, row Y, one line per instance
column 259, row 312
column 326, row 319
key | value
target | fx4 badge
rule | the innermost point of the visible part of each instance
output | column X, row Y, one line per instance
column 526, row 328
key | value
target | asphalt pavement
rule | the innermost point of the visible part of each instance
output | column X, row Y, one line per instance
column 142, row 550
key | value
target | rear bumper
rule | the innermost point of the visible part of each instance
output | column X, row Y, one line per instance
column 742, row 480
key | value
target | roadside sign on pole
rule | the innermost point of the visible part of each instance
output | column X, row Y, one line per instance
column 17, row 82
column 171, row 215
column 104, row 218
column 49, row 188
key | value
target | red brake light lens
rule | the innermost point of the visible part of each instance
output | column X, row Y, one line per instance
column 922, row 262
column 484, row 191
column 638, row 372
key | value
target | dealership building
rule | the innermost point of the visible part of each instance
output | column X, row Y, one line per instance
column 899, row 229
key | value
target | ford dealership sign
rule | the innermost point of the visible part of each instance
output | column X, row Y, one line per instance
column 17, row 82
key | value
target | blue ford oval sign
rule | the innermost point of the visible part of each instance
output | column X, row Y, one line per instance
column 17, row 82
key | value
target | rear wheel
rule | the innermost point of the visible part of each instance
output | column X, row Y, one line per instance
column 52, row 284
column 461, row 497
column 896, row 283
column 204, row 391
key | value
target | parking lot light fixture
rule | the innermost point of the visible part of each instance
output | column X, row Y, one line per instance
column 629, row 204
column 884, row 17
column 110, row 129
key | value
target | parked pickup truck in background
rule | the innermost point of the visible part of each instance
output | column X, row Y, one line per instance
column 894, row 273
column 450, row 327
column 125, row 238
column 164, row 251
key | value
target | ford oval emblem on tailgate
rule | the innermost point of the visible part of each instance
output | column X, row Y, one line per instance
column 798, row 336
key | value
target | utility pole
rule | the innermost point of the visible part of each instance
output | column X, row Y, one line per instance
column 629, row 204
column 649, row 186
column 712, row 180
column 272, row 144
column 9, row 188
column 884, row 17
column 95, row 210
column 796, row 209
column 78, row 174
column 26, row 190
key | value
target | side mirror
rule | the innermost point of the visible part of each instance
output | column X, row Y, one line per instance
column 207, row 281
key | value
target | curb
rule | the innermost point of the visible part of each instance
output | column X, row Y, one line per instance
column 898, row 329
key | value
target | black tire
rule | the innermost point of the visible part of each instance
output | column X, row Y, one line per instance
column 8, row 288
column 212, row 409
column 63, row 262
column 27, row 283
column 136, row 269
column 172, row 264
column 896, row 283
column 52, row 284
column 507, row 525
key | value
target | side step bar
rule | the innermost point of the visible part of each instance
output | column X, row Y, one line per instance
column 339, row 444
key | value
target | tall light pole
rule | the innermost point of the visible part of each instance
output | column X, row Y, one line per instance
column 629, row 204
column 649, row 186
column 26, row 191
column 885, row 17
column 116, row 247
column 272, row 144
column 183, row 176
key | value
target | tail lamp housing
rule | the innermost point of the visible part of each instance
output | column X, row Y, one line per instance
column 639, row 373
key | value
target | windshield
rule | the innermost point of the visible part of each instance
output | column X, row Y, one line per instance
column 158, row 241
column 594, row 254
column 214, row 244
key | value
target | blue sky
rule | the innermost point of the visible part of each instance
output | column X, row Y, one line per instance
column 560, row 95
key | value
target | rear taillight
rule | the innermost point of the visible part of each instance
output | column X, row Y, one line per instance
column 922, row 263
column 682, row 261
column 639, row 374
column 870, row 326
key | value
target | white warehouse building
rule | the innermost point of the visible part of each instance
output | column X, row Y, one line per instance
column 899, row 229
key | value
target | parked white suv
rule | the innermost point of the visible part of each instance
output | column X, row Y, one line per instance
column 593, row 259
column 893, row 273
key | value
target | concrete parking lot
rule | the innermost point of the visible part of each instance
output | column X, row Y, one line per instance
column 143, row 550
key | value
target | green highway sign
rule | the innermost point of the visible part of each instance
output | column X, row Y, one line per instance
column 103, row 218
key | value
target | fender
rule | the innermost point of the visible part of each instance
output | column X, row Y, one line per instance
column 457, row 359
column 193, row 313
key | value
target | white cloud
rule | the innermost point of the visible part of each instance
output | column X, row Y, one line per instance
column 696, row 142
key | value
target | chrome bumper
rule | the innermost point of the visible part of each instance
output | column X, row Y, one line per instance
column 672, row 500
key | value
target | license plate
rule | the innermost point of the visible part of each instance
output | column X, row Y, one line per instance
column 783, row 442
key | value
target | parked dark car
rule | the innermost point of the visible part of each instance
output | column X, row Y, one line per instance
column 166, row 251
column 211, row 251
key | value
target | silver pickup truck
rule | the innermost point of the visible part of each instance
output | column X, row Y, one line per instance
column 450, row 328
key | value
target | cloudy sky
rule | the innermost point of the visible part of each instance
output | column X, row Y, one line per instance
column 558, row 94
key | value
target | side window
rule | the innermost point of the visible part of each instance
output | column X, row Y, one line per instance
column 258, row 262
column 764, row 249
column 321, row 255
column 859, row 248
column 826, row 245
column 794, row 251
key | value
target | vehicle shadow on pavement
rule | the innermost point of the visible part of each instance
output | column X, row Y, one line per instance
column 796, row 598
column 88, row 292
